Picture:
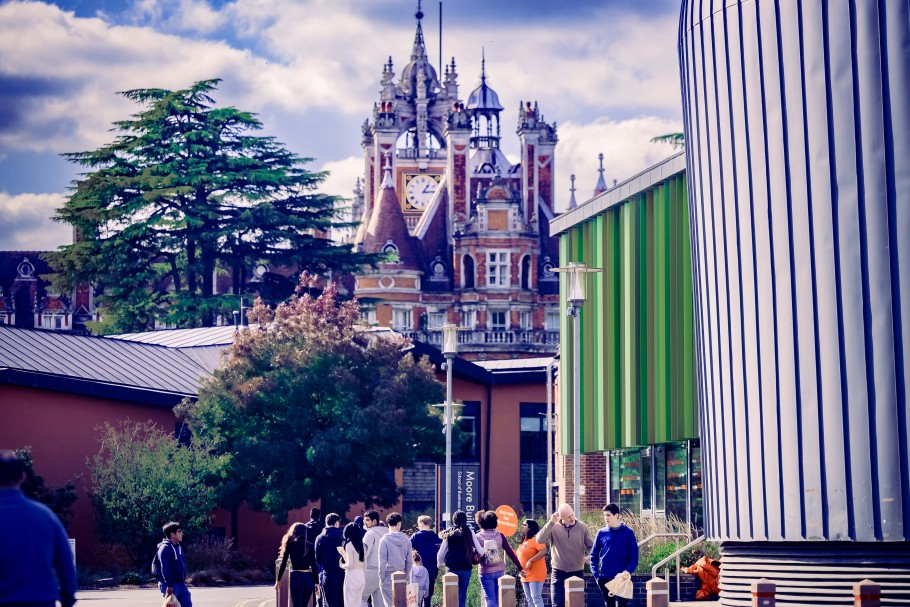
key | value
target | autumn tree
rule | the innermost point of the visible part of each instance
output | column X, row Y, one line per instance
column 186, row 190
column 313, row 406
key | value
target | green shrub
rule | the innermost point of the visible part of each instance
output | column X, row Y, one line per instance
column 133, row 578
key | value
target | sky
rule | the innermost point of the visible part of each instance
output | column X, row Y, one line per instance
column 605, row 71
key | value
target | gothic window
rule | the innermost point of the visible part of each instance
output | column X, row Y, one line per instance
column 526, row 272
column 497, row 269
column 467, row 268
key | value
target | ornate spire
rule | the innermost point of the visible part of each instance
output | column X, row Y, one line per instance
column 387, row 173
column 420, row 50
column 601, row 184
column 572, row 203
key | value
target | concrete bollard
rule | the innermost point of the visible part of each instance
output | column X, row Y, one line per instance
column 764, row 593
column 658, row 592
column 507, row 591
column 867, row 594
column 575, row 592
column 399, row 589
column 450, row 590
column 283, row 593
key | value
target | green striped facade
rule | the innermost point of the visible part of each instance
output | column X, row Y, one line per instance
column 637, row 348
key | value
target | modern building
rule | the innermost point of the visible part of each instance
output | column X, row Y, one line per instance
column 640, row 439
column 797, row 124
column 466, row 229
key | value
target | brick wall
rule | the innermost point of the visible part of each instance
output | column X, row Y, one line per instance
column 593, row 479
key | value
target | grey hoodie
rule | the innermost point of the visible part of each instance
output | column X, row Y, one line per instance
column 371, row 545
column 394, row 554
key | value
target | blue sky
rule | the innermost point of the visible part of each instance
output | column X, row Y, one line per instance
column 605, row 71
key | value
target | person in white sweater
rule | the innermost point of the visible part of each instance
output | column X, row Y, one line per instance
column 353, row 562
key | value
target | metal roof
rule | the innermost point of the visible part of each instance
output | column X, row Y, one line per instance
column 184, row 338
column 514, row 364
column 111, row 362
column 617, row 194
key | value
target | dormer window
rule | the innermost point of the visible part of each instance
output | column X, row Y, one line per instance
column 391, row 252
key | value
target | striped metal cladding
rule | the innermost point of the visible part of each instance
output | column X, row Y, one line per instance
column 832, row 567
column 637, row 326
column 797, row 123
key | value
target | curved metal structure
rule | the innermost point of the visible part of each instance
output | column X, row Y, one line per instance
column 797, row 125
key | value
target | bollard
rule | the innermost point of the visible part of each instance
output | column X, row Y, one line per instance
column 399, row 589
column 867, row 594
column 575, row 592
column 763, row 593
column 450, row 590
column 658, row 592
column 283, row 593
column 507, row 591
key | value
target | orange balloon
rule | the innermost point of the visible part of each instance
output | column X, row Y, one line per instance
column 508, row 521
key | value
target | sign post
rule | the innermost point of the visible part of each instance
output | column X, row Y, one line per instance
column 465, row 487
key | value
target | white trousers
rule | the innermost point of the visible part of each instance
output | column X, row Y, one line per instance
column 354, row 580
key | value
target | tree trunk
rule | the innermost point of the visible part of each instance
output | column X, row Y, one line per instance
column 191, row 267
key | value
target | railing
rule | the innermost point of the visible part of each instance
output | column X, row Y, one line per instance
column 669, row 558
column 492, row 338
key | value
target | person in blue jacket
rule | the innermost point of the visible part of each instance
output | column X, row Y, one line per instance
column 36, row 563
column 426, row 542
column 615, row 550
column 173, row 565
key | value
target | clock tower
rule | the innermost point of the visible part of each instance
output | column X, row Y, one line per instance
column 465, row 230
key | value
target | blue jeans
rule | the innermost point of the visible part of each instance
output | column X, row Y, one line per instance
column 302, row 585
column 490, row 584
column 533, row 591
column 558, row 585
column 180, row 591
column 464, row 580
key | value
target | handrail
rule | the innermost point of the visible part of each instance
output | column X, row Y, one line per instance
column 675, row 555
column 654, row 535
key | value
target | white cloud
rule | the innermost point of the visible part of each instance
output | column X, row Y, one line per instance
column 27, row 225
column 343, row 175
column 625, row 144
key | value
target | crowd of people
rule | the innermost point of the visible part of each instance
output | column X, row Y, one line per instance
column 353, row 566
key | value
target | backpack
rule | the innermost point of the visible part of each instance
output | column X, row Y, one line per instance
column 492, row 550
column 156, row 564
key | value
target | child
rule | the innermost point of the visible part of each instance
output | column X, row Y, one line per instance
column 420, row 577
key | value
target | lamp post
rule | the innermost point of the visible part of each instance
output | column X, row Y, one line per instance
column 449, row 350
column 576, row 295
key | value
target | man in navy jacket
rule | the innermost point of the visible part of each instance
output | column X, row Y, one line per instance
column 36, row 550
column 173, row 565
column 426, row 542
column 615, row 550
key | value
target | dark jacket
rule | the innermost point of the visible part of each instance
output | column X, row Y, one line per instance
column 427, row 544
column 301, row 553
column 36, row 563
column 173, row 563
column 327, row 544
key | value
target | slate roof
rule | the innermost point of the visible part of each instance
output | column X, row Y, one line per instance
column 101, row 366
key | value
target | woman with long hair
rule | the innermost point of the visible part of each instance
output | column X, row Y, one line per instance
column 458, row 551
column 493, row 565
column 533, row 565
column 354, row 563
column 298, row 548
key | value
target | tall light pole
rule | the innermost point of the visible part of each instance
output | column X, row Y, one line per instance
column 576, row 296
column 449, row 350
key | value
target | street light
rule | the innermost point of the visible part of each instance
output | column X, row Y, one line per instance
column 576, row 296
column 449, row 350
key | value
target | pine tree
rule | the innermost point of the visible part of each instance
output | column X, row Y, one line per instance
column 189, row 189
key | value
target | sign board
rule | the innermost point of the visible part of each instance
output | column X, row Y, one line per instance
column 465, row 488
column 508, row 521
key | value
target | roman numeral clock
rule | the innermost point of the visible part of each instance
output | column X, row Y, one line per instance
column 418, row 191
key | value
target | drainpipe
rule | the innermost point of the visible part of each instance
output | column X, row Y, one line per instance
column 550, row 367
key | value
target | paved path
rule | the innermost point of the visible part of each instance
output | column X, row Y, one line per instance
column 234, row 596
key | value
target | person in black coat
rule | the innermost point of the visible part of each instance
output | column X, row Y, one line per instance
column 426, row 542
column 297, row 548
column 328, row 561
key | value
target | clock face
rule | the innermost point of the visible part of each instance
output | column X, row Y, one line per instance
column 418, row 190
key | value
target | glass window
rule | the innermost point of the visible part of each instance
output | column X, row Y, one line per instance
column 615, row 484
column 401, row 320
column 552, row 320
column 630, row 479
column 468, row 319
column 368, row 315
column 527, row 320
column 498, row 320
column 698, row 507
column 497, row 269
column 468, row 432
column 660, row 477
column 646, row 496
column 533, row 432
column 435, row 320
column 676, row 472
